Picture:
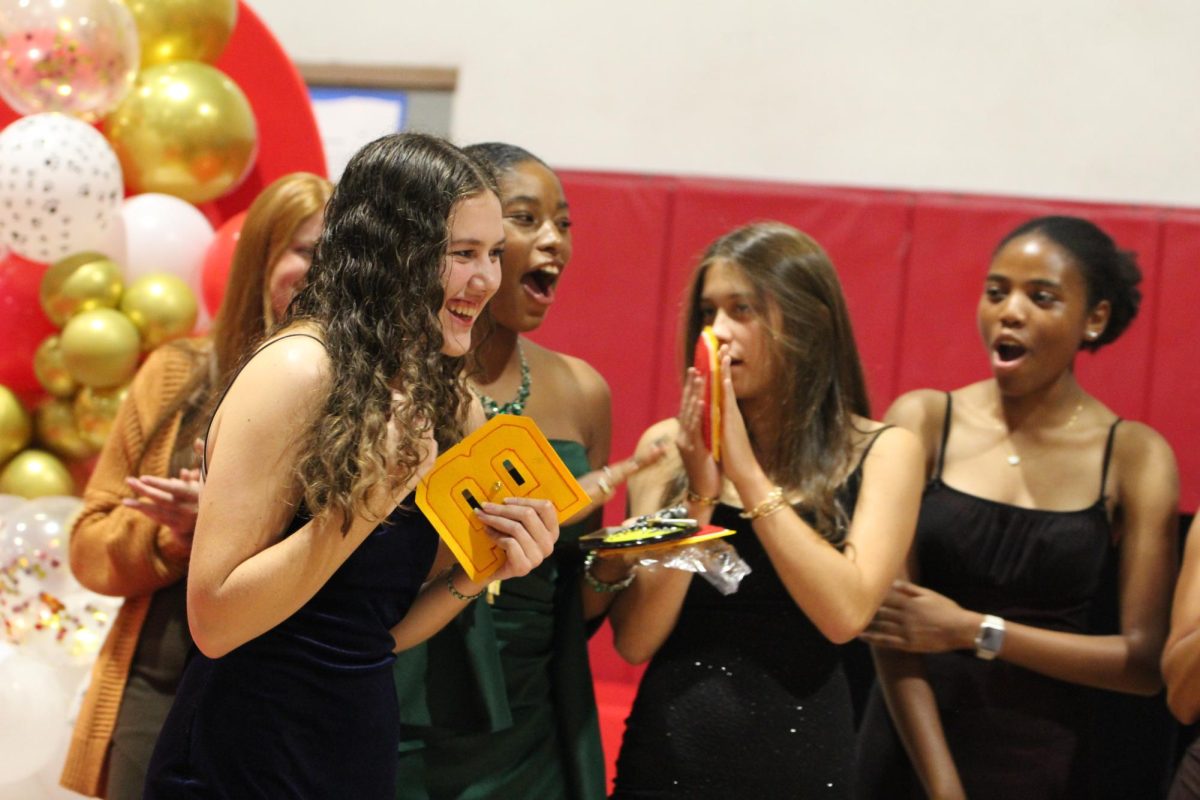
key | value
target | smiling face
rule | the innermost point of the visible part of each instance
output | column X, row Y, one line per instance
column 538, row 229
column 472, row 268
column 730, row 304
column 288, row 273
column 1033, row 314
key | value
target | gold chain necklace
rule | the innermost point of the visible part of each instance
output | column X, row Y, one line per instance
column 1014, row 460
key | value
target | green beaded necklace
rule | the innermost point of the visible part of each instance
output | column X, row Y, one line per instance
column 491, row 408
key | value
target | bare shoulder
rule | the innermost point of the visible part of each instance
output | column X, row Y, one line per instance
column 892, row 443
column 290, row 374
column 1137, row 446
column 917, row 409
column 662, row 431
column 581, row 377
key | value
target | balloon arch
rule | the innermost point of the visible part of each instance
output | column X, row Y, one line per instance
column 122, row 192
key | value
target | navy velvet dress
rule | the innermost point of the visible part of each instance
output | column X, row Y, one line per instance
column 307, row 709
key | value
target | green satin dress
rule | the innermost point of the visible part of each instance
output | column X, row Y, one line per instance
column 500, row 704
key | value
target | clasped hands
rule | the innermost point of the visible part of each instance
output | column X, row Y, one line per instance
column 171, row 502
column 738, row 462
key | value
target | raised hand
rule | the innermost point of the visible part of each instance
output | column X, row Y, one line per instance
column 172, row 502
column 737, row 456
column 703, row 473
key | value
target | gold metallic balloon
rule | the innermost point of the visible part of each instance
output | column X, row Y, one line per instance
column 80, row 283
column 186, row 129
column 95, row 410
column 54, row 420
column 100, row 348
column 50, row 370
column 15, row 426
column 162, row 307
column 36, row 473
column 182, row 30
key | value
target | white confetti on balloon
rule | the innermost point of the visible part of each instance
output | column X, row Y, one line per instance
column 60, row 187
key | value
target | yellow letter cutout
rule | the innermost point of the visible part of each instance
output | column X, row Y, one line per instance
column 507, row 457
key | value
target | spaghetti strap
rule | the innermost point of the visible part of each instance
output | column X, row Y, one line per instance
column 866, row 450
column 941, row 454
column 1108, row 446
column 228, row 386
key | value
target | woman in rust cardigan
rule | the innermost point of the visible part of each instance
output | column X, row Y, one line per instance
column 133, row 537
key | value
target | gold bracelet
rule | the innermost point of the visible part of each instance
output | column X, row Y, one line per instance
column 701, row 500
column 455, row 593
column 772, row 503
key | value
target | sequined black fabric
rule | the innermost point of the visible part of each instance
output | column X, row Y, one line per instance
column 746, row 698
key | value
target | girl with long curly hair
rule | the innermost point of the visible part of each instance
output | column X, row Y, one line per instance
column 134, row 535
column 310, row 564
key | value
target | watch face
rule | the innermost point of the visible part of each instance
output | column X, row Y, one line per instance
column 991, row 637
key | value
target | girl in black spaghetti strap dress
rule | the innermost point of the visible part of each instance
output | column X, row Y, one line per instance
column 1041, row 568
column 745, row 695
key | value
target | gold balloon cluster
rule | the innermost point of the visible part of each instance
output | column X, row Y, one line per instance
column 185, row 129
column 182, row 30
column 86, row 367
column 29, row 473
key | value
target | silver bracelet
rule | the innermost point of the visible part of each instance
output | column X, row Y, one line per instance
column 455, row 593
column 597, row 585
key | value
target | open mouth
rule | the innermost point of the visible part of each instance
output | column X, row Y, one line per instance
column 463, row 312
column 1007, row 352
column 540, row 283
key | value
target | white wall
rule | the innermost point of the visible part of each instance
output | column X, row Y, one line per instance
column 1094, row 99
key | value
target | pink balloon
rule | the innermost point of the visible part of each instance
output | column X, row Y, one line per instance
column 164, row 234
column 75, row 56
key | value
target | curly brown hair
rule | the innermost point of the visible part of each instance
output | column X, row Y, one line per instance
column 819, row 379
column 374, row 291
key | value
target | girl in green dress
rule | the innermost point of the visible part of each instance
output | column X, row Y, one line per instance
column 526, row 723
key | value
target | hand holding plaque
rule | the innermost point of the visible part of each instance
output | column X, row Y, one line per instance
column 507, row 457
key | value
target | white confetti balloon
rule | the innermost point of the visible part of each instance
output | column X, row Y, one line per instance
column 37, row 535
column 32, row 709
column 60, row 187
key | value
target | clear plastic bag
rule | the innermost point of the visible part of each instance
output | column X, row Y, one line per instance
column 717, row 561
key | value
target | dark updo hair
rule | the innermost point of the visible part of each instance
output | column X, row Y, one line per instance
column 502, row 157
column 1110, row 273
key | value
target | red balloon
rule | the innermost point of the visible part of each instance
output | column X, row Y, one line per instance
column 23, row 324
column 214, row 272
column 288, row 140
